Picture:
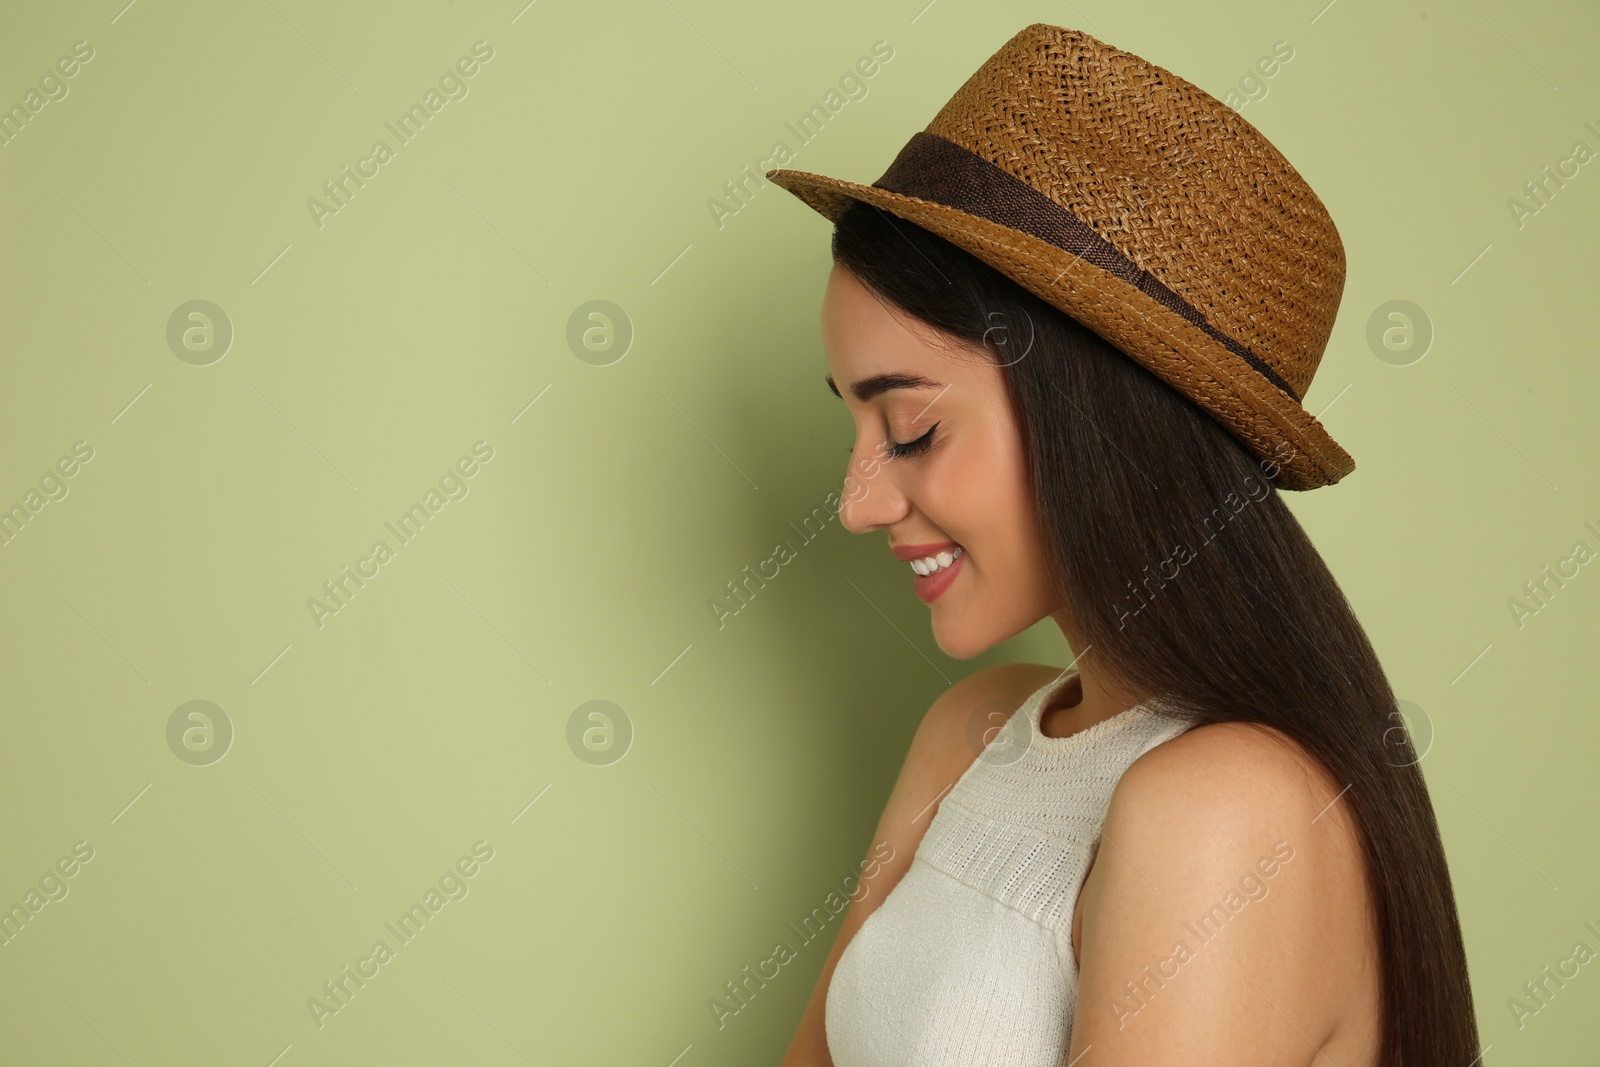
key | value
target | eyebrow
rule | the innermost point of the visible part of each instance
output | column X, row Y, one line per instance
column 868, row 388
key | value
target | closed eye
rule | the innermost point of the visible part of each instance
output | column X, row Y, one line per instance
column 913, row 448
column 910, row 448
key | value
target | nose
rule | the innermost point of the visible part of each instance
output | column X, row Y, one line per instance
column 871, row 500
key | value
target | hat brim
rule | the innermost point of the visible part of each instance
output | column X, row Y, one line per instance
column 1171, row 347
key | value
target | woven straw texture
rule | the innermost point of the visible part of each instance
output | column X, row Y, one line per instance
column 1209, row 259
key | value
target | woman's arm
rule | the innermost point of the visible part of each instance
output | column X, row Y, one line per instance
column 1227, row 920
column 940, row 753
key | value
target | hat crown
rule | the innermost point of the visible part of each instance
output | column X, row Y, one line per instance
column 1171, row 176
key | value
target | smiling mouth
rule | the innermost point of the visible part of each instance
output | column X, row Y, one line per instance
column 937, row 562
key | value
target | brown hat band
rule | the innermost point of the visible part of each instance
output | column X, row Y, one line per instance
column 930, row 167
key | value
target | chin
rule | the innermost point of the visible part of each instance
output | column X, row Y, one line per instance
column 960, row 637
column 960, row 641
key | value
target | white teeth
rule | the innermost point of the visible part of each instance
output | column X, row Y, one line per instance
column 931, row 564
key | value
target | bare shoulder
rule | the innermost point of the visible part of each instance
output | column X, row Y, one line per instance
column 952, row 733
column 1233, row 892
column 957, row 726
column 1251, row 774
column 1217, row 797
column 965, row 716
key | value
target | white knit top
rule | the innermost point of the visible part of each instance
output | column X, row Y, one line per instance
column 969, row 958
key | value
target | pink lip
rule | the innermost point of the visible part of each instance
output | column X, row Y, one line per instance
column 907, row 553
column 929, row 587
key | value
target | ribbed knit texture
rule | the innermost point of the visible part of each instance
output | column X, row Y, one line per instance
column 969, row 959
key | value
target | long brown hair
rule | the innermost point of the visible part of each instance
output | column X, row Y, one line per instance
column 1189, row 577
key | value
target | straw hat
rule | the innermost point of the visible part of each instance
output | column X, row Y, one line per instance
column 1146, row 209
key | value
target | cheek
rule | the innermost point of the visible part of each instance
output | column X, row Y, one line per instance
column 980, row 496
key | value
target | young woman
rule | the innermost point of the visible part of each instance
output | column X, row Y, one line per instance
column 1072, row 325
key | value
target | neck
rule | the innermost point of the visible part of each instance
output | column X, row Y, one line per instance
column 1093, row 696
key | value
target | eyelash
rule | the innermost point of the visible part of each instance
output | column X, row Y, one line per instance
column 910, row 448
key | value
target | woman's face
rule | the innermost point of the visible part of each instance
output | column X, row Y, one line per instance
column 966, row 485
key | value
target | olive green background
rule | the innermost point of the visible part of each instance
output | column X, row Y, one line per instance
column 369, row 354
